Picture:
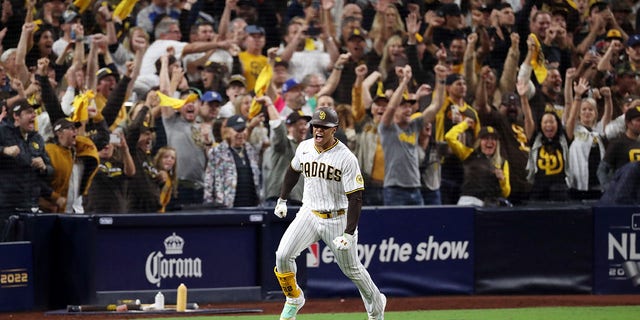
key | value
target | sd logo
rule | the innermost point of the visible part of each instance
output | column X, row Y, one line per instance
column 551, row 163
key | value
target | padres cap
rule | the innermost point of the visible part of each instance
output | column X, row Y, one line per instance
column 280, row 62
column 65, row 123
column 239, row 79
column 325, row 117
column 487, row 131
column 380, row 97
column 453, row 78
column 510, row 99
column 211, row 66
column 357, row 33
column 105, row 72
column 20, row 105
column 631, row 114
column 295, row 116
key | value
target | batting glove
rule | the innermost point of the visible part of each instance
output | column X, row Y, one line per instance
column 281, row 208
column 343, row 242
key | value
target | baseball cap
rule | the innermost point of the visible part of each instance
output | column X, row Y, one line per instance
column 600, row 4
column 630, row 98
column 253, row 29
column 380, row 96
column 510, row 99
column 408, row 98
column 325, row 117
column 20, row 105
column 237, row 122
column 65, row 123
column 69, row 15
column 633, row 40
column 211, row 96
column 100, row 138
column 147, row 127
column 632, row 113
column 357, row 32
column 487, row 131
column 289, row 84
column 211, row 66
column 453, row 78
column 449, row 9
column 239, row 79
column 295, row 116
column 614, row 34
column 105, row 72
column 280, row 62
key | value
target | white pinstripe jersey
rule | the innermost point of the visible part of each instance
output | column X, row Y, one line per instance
column 328, row 175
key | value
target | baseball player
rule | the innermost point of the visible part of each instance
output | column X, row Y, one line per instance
column 331, row 204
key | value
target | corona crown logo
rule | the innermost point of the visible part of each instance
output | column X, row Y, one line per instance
column 173, row 244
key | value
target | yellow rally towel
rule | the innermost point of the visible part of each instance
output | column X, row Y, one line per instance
column 37, row 23
column 82, row 5
column 124, row 9
column 537, row 61
column 166, row 101
column 81, row 104
column 262, row 84
column 380, row 89
column 309, row 45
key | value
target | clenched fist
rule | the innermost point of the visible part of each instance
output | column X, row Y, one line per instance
column 343, row 242
column 281, row 208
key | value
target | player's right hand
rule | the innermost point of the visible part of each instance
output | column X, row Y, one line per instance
column 281, row 208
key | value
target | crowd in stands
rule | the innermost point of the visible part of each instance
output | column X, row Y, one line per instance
column 134, row 106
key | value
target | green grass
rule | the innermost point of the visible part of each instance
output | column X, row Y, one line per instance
column 556, row 313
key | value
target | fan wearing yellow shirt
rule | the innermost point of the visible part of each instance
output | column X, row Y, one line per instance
column 252, row 58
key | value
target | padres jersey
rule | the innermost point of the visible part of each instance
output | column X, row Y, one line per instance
column 328, row 175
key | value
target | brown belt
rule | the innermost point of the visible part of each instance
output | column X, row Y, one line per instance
column 328, row 214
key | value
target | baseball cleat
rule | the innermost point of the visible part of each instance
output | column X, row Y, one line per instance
column 290, row 310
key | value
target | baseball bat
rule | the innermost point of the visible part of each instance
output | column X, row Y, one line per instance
column 190, row 306
column 102, row 307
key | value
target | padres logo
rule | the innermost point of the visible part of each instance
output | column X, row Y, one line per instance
column 322, row 115
column 551, row 163
column 359, row 179
column 35, row 145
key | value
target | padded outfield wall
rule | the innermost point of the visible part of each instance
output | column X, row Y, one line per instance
column 225, row 256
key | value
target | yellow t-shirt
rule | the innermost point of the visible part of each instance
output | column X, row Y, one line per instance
column 251, row 66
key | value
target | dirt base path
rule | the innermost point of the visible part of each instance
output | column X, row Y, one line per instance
column 393, row 304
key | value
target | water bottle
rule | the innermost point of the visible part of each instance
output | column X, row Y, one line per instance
column 159, row 305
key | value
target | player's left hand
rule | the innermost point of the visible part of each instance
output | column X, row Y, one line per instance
column 343, row 242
